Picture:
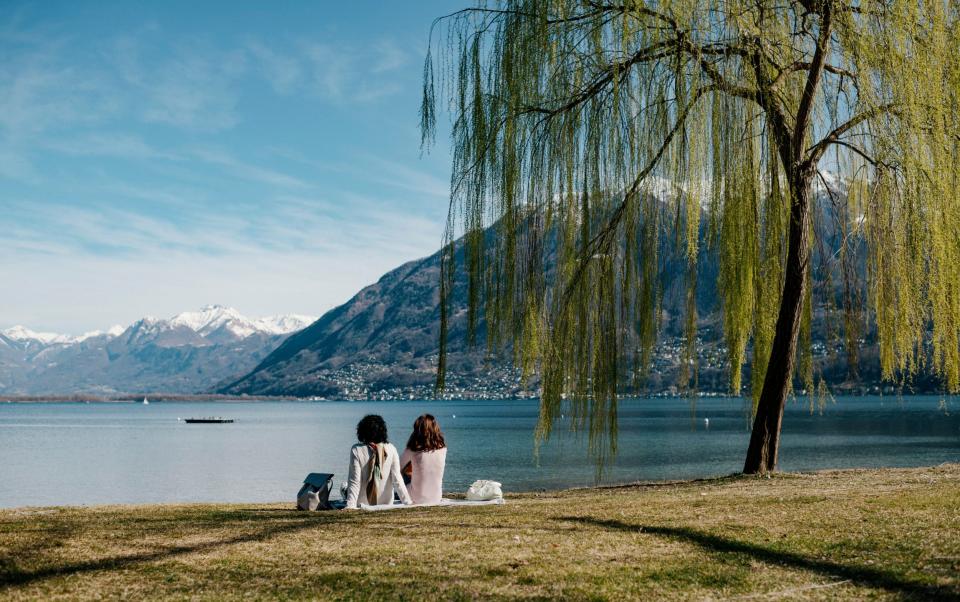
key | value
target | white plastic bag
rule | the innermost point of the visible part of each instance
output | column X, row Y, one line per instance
column 484, row 490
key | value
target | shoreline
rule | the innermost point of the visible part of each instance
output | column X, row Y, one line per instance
column 218, row 398
column 522, row 494
column 139, row 397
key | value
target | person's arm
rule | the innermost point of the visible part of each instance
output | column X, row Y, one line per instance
column 353, row 480
column 406, row 465
column 398, row 482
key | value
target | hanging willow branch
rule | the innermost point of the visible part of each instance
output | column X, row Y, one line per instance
column 588, row 133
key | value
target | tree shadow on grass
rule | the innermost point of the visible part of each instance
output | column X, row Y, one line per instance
column 12, row 575
column 414, row 583
column 866, row 576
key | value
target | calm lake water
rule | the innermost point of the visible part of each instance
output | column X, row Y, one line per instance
column 59, row 454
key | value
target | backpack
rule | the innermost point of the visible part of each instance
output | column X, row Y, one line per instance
column 315, row 493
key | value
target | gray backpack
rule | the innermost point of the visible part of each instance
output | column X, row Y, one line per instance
column 315, row 493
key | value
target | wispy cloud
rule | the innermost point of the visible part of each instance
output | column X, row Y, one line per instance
column 329, row 70
column 284, row 72
column 106, row 144
column 37, row 94
column 390, row 57
column 399, row 175
column 248, row 171
column 191, row 85
column 371, row 91
column 312, row 225
column 181, row 82
column 369, row 167
column 345, row 73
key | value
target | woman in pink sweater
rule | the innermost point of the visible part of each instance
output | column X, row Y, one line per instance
column 423, row 461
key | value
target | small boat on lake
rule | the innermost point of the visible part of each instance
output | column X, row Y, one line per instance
column 145, row 402
column 208, row 420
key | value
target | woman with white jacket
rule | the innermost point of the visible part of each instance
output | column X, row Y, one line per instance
column 374, row 467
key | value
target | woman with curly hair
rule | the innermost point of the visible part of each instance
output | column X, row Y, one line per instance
column 423, row 460
column 374, row 466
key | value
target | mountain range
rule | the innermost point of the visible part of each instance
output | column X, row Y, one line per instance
column 187, row 353
column 383, row 343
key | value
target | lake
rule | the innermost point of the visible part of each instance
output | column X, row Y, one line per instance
column 71, row 454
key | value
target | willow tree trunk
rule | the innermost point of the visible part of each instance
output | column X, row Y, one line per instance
column 765, row 438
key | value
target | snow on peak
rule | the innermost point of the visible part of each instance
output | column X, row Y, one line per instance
column 285, row 324
column 206, row 321
column 209, row 319
column 22, row 333
column 110, row 332
column 219, row 318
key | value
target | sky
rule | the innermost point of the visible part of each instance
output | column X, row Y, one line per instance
column 156, row 157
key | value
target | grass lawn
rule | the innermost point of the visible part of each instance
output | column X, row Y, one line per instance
column 874, row 534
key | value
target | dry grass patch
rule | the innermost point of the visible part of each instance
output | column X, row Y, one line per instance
column 879, row 534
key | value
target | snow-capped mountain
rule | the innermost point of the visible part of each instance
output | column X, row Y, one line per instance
column 24, row 335
column 209, row 320
column 214, row 318
column 189, row 352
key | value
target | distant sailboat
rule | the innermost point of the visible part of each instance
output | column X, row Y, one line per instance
column 145, row 402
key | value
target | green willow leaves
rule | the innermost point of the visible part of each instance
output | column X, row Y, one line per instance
column 590, row 132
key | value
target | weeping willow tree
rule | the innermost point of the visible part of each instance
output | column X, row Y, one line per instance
column 587, row 132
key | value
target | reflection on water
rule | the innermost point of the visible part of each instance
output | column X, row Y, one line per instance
column 131, row 453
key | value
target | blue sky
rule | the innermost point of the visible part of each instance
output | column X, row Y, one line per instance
column 159, row 156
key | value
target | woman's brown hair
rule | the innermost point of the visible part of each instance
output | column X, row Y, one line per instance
column 426, row 435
